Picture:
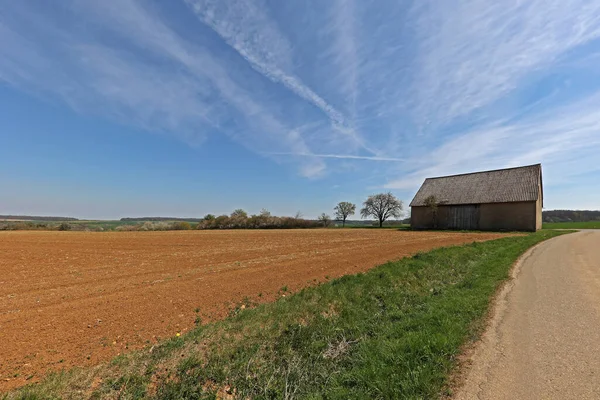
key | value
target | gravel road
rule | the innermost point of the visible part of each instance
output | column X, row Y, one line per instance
column 543, row 341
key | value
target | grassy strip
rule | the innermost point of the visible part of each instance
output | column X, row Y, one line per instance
column 396, row 226
column 572, row 225
column 393, row 332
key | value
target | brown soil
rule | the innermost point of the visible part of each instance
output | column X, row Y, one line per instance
column 79, row 298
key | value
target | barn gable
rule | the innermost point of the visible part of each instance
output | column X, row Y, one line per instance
column 504, row 199
column 499, row 186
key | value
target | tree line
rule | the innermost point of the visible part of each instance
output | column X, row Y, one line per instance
column 35, row 218
column 381, row 207
column 570, row 216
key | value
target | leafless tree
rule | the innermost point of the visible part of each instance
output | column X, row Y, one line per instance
column 382, row 206
column 239, row 213
column 238, row 219
column 325, row 220
column 343, row 210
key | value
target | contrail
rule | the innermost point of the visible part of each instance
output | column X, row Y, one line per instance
column 342, row 156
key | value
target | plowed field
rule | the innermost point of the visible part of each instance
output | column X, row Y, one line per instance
column 77, row 298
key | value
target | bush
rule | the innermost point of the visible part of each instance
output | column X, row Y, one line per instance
column 181, row 226
column 64, row 227
column 127, row 228
column 146, row 226
column 264, row 220
column 325, row 220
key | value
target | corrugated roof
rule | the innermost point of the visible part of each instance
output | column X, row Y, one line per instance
column 498, row 186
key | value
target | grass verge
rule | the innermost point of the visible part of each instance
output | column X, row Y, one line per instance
column 572, row 225
column 393, row 332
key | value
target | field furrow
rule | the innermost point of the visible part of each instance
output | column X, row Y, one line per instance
column 77, row 298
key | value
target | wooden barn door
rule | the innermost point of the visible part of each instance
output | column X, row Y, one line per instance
column 464, row 217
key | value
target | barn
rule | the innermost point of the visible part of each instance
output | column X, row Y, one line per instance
column 505, row 199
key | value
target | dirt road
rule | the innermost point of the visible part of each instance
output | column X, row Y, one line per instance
column 544, row 337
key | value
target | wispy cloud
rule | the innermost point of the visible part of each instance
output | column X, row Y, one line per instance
column 470, row 54
column 345, row 48
column 247, row 28
column 421, row 87
column 565, row 139
column 154, row 78
column 340, row 156
column 484, row 91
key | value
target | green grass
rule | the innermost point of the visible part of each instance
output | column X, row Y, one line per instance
column 397, row 226
column 572, row 225
column 106, row 225
column 393, row 332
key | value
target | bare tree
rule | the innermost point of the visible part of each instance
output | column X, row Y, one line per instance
column 432, row 203
column 238, row 219
column 343, row 210
column 325, row 220
column 382, row 206
column 239, row 213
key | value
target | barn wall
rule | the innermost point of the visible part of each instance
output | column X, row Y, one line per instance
column 464, row 217
column 508, row 216
column 538, row 210
column 522, row 216
column 420, row 218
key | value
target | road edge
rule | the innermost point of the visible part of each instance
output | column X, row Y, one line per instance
column 485, row 344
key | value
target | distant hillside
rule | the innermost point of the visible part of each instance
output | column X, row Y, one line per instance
column 35, row 218
column 158, row 219
column 570, row 216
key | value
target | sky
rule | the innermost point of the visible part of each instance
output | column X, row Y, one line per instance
column 125, row 108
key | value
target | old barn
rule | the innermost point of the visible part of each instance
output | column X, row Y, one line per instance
column 505, row 199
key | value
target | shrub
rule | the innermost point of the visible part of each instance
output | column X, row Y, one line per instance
column 127, row 228
column 64, row 227
column 146, row 226
column 181, row 226
column 239, row 213
column 264, row 220
column 325, row 220
column 221, row 222
column 161, row 226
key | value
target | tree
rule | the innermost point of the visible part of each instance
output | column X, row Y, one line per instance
column 262, row 220
column 221, row 222
column 325, row 220
column 382, row 206
column 209, row 217
column 432, row 203
column 343, row 210
column 239, row 213
column 238, row 219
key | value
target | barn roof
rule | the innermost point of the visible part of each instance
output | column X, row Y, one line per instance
column 498, row 186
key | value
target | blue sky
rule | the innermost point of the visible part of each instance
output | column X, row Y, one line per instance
column 181, row 108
